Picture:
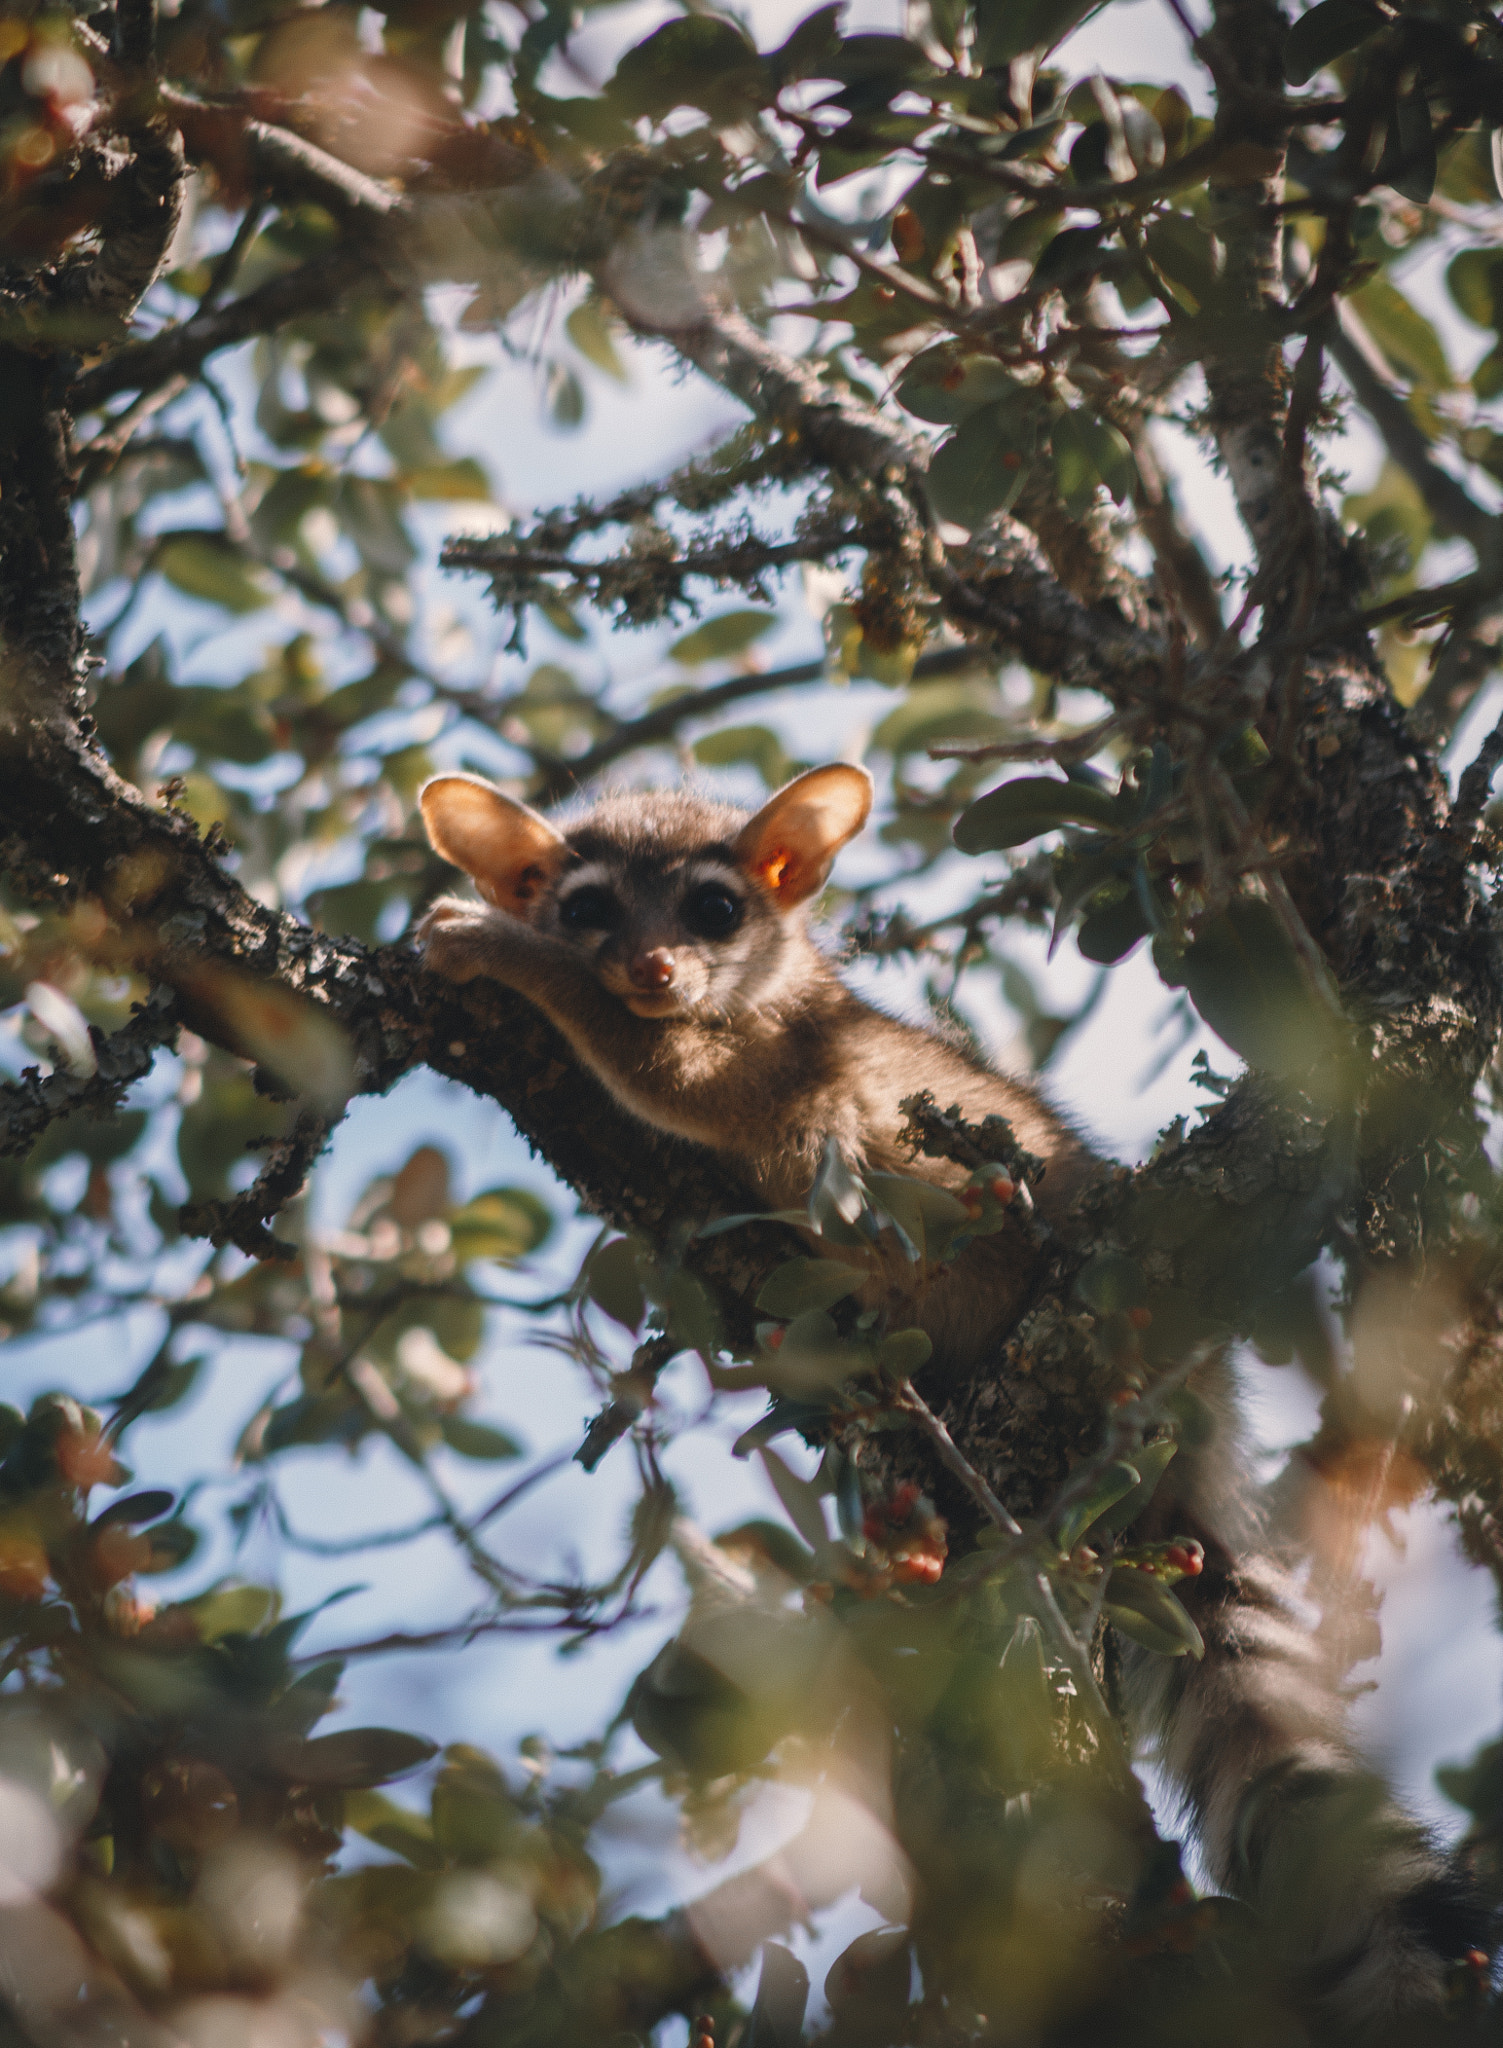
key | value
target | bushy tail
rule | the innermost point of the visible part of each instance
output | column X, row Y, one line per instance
column 1354, row 1894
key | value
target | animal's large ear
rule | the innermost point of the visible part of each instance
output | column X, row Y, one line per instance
column 508, row 851
column 792, row 840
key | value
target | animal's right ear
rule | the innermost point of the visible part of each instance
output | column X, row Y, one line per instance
column 508, row 851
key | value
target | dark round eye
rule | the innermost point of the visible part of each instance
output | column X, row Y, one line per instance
column 589, row 910
column 711, row 912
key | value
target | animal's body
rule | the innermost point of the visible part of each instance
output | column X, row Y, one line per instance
column 665, row 936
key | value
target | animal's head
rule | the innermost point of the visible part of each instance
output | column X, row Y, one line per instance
column 677, row 904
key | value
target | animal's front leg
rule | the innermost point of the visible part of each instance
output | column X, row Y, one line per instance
column 459, row 940
column 467, row 941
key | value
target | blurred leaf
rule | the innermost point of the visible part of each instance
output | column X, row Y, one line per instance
column 1326, row 31
column 1403, row 333
column 1142, row 1607
column 590, row 331
column 502, row 1223
column 463, row 478
column 777, row 2015
column 722, row 638
column 1110, row 1282
column 946, row 388
column 980, row 468
column 702, row 61
column 355, row 1757
column 478, row 1439
column 1070, row 257
column 801, row 1284
column 287, row 1034
column 1020, row 810
column 232, row 1609
column 613, row 1282
column 757, row 745
column 1006, row 28
column 1089, row 452
column 211, row 567
column 1243, row 976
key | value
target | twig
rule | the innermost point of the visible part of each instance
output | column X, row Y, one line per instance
column 178, row 351
column 1072, row 1652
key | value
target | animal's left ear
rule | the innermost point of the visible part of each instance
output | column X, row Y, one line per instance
column 792, row 840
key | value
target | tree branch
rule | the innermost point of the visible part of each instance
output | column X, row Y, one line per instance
column 29, row 1105
column 180, row 351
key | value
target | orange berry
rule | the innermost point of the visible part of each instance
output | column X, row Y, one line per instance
column 1140, row 1318
column 1003, row 1190
column 774, row 1339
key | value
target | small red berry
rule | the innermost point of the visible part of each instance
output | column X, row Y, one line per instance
column 1003, row 1190
column 774, row 1339
column 1140, row 1318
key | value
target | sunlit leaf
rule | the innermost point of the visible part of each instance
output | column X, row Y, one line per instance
column 722, row 638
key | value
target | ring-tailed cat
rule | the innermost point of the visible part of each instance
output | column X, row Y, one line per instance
column 665, row 936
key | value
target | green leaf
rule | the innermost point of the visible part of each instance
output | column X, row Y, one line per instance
column 232, row 1609
column 613, row 1282
column 703, row 61
column 207, row 565
column 946, row 388
column 814, row 43
column 929, row 1217
column 502, row 1223
column 406, row 1834
column 1403, row 333
column 1188, row 255
column 354, row 1758
column 719, row 639
column 1475, row 281
column 1020, row 810
column 1243, row 976
column 1006, row 28
column 1110, row 1282
column 902, row 1353
column 800, row 1499
column 461, row 479
column 590, row 331
column 1109, row 931
column 1408, row 162
column 1328, row 31
column 1142, row 1607
column 801, row 1284
column 1089, row 452
column 1116, row 1482
column 981, row 467
column 478, row 1439
column 1072, row 254
column 1152, row 1461
column 757, row 745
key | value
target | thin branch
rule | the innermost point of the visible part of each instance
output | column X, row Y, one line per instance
column 665, row 721
column 1071, row 1651
column 178, row 351
column 29, row 1105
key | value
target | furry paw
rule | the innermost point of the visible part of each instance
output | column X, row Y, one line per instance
column 455, row 937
